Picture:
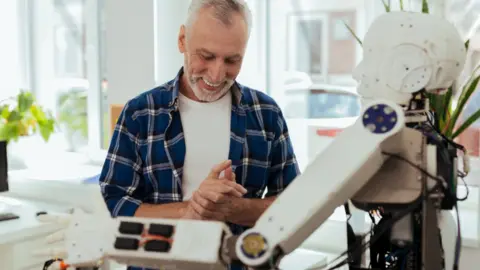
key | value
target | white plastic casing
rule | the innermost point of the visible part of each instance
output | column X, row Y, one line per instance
column 404, row 52
column 196, row 245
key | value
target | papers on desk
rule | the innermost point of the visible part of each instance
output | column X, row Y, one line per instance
column 76, row 174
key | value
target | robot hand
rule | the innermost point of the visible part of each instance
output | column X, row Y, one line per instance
column 81, row 241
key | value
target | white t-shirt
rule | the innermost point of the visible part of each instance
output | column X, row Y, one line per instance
column 206, row 127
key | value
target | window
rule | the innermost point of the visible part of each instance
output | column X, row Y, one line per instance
column 58, row 55
column 321, row 104
column 310, row 37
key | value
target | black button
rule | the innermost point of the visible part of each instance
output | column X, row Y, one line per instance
column 131, row 228
column 161, row 230
column 126, row 243
column 157, row 246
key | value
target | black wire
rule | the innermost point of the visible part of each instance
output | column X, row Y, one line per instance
column 48, row 263
column 454, row 144
column 457, row 146
column 377, row 236
column 438, row 179
column 468, row 191
column 390, row 222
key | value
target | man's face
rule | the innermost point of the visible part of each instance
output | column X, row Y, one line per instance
column 213, row 54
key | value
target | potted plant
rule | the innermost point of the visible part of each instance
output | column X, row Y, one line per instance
column 73, row 116
column 22, row 116
column 448, row 110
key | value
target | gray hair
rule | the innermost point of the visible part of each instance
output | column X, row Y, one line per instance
column 222, row 10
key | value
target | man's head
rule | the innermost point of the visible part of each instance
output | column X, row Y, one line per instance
column 213, row 41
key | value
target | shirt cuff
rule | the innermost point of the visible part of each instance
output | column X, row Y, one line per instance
column 126, row 206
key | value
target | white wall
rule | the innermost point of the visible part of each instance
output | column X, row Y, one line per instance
column 169, row 16
column 9, row 68
column 130, row 48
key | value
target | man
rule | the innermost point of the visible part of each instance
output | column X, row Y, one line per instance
column 201, row 146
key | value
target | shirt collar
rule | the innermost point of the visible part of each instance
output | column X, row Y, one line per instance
column 237, row 91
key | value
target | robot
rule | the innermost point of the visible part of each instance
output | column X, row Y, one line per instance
column 391, row 159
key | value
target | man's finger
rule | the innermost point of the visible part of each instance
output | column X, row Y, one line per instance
column 217, row 169
column 214, row 197
column 202, row 211
column 226, row 187
column 228, row 173
column 236, row 186
column 199, row 198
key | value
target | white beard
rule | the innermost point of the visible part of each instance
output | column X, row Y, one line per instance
column 207, row 95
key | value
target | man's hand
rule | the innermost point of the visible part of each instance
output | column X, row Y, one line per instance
column 211, row 200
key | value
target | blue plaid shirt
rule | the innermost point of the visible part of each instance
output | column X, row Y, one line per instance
column 145, row 158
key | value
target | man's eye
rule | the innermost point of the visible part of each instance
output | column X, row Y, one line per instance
column 208, row 57
column 231, row 61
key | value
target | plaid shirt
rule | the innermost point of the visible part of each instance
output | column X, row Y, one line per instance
column 145, row 158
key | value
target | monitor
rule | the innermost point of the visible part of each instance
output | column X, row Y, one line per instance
column 3, row 167
column 5, row 215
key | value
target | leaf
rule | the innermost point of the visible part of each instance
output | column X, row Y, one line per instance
column 387, row 6
column 9, row 131
column 470, row 120
column 38, row 114
column 353, row 33
column 4, row 112
column 14, row 116
column 467, row 43
column 47, row 129
column 465, row 95
column 24, row 101
column 446, row 109
column 425, row 8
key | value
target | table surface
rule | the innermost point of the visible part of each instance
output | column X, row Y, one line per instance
column 26, row 225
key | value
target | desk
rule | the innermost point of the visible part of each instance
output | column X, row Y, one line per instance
column 20, row 237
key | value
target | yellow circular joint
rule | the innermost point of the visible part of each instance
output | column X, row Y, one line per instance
column 254, row 245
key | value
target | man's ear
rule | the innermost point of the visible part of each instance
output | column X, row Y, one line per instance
column 181, row 39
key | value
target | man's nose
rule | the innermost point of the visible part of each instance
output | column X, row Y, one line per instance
column 217, row 72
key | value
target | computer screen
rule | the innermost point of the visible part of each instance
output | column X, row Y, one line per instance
column 3, row 167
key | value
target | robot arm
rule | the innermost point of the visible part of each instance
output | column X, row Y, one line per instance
column 328, row 182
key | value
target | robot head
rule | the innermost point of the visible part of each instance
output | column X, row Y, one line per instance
column 405, row 52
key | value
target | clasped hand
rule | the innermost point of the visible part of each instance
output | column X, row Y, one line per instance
column 212, row 200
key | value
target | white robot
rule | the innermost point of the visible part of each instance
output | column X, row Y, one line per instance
column 383, row 160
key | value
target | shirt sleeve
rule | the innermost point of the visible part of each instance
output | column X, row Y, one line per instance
column 121, row 179
column 284, row 166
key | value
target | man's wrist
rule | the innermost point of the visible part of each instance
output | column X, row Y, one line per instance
column 238, row 207
column 166, row 210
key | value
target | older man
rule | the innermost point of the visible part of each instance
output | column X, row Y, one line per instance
column 201, row 146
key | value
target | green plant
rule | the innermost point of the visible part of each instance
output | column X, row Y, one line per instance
column 73, row 112
column 446, row 110
column 22, row 116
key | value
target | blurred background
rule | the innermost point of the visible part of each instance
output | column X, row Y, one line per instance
column 81, row 59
